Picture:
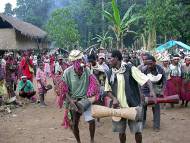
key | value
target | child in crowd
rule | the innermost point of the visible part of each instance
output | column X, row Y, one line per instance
column 41, row 83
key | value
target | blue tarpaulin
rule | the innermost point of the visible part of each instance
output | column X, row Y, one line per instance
column 170, row 44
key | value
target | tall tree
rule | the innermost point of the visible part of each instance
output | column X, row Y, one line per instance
column 34, row 11
column 88, row 16
column 62, row 29
column 162, row 19
column 8, row 9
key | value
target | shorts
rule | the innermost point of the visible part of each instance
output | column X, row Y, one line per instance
column 120, row 126
column 87, row 115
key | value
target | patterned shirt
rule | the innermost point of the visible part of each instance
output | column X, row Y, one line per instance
column 41, row 75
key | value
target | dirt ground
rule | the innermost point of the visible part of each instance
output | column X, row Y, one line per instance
column 32, row 124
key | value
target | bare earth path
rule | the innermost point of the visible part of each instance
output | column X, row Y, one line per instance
column 32, row 124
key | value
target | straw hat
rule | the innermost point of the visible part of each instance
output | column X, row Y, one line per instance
column 75, row 55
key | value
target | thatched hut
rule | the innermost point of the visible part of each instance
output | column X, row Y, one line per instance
column 19, row 35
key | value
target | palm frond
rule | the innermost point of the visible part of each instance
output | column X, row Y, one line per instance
column 109, row 16
column 132, row 20
column 116, row 13
column 127, row 14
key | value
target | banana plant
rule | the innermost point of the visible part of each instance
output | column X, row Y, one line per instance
column 104, row 39
column 121, row 25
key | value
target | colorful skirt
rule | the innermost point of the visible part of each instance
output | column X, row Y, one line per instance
column 185, row 93
column 173, row 87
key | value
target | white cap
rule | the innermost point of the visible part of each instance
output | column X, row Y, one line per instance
column 23, row 76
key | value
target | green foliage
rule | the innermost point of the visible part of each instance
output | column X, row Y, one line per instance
column 104, row 40
column 162, row 19
column 8, row 10
column 161, row 14
column 34, row 11
column 121, row 27
column 87, row 14
column 62, row 29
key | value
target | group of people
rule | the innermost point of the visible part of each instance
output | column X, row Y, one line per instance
column 17, row 76
column 125, row 80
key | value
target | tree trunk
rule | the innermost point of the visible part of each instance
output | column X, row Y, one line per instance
column 151, row 39
column 103, row 18
column 144, row 42
column 117, row 44
column 154, row 37
column 121, row 42
column 165, row 38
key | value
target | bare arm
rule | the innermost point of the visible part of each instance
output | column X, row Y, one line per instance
column 114, row 99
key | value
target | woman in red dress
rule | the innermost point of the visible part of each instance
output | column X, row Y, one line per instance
column 26, row 66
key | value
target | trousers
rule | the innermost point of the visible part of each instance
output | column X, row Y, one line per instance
column 156, row 115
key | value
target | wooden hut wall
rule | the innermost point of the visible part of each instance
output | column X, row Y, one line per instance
column 24, row 43
column 7, row 39
column 43, row 44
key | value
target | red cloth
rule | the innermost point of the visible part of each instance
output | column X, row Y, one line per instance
column 66, row 123
column 173, row 87
column 52, row 59
column 93, row 87
column 61, row 89
column 24, row 67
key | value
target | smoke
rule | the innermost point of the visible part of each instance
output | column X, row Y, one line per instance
column 57, row 4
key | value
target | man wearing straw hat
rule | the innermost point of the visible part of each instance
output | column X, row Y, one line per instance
column 79, row 84
column 122, row 86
